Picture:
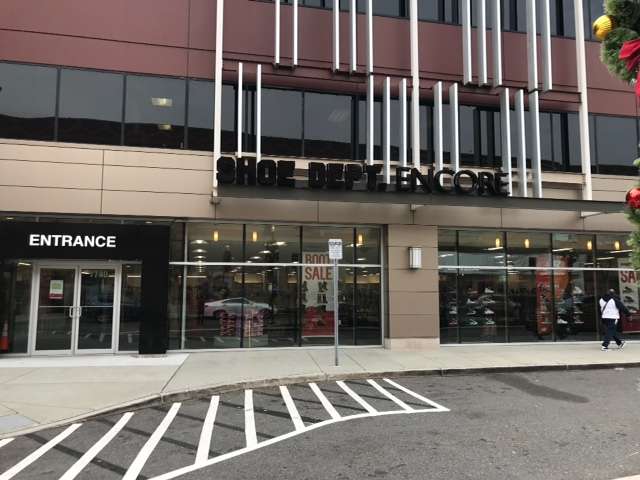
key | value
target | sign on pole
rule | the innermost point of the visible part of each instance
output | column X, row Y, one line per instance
column 335, row 255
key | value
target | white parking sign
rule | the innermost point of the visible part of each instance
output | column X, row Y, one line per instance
column 335, row 249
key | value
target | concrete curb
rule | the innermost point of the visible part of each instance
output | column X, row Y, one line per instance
column 209, row 390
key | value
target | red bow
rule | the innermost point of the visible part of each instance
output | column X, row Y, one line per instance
column 630, row 53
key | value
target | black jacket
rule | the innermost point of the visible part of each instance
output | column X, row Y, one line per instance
column 619, row 305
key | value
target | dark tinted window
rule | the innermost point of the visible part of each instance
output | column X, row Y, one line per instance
column 392, row 8
column 428, row 10
column 281, row 122
column 327, row 126
column 200, row 115
column 362, row 129
column 573, row 143
column 27, row 101
column 617, row 144
column 155, row 112
column 90, row 107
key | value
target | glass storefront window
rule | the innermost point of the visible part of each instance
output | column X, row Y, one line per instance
column 481, row 305
column 368, row 327
column 528, row 249
column 529, row 305
column 449, row 306
column 272, row 244
column 327, row 126
column 367, row 246
column 575, row 305
column 215, row 242
column 481, row 248
column 130, row 307
column 281, row 122
column 447, row 248
column 573, row 250
column 613, row 251
column 15, row 301
column 315, row 246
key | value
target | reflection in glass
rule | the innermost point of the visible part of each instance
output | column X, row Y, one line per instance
column 327, row 126
column 27, row 101
column 315, row 244
column 272, row 244
column 447, row 248
column 130, row 307
column 575, row 305
column 210, row 242
column 90, row 107
column 55, row 309
column 616, row 142
column 528, row 249
column 368, row 326
column 281, row 122
column 367, row 245
column 200, row 121
column 573, row 250
column 481, row 248
column 613, row 251
column 95, row 315
column 448, row 306
column 15, row 301
column 481, row 305
column 529, row 305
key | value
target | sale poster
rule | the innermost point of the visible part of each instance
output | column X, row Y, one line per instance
column 317, row 295
column 628, row 289
column 56, row 289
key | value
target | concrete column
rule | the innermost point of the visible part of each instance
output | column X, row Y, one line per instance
column 414, row 320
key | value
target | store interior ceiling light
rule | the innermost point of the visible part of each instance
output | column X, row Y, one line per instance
column 493, row 249
column 589, row 245
column 199, row 250
column 264, row 252
column 254, row 236
column 527, row 243
column 215, row 236
column 162, row 102
column 557, row 250
column 623, row 251
column 280, row 244
column 165, row 127
column 606, row 258
column 198, row 242
column 616, row 245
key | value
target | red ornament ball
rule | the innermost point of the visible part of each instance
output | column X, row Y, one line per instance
column 633, row 198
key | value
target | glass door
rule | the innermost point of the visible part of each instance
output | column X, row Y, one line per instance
column 95, row 310
column 55, row 309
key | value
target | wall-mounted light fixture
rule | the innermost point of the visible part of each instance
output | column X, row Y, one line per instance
column 216, row 236
column 415, row 258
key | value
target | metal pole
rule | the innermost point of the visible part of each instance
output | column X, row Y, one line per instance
column 336, row 318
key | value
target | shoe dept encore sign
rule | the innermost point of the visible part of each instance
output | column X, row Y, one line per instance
column 355, row 176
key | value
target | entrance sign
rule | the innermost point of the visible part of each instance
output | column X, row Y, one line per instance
column 72, row 241
column 56, row 289
column 335, row 255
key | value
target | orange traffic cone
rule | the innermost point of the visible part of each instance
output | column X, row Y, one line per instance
column 4, row 338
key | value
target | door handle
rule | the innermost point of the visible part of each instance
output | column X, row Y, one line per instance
column 70, row 312
column 79, row 312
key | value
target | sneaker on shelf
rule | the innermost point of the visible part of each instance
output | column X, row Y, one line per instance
column 627, row 290
column 577, row 290
column 633, row 310
column 472, row 323
column 629, row 299
column 489, row 321
column 472, row 312
column 471, row 302
column 577, row 311
column 562, row 321
column 488, row 301
column 621, row 346
column 488, row 291
column 453, row 311
column 578, row 322
column 488, row 311
column 604, row 349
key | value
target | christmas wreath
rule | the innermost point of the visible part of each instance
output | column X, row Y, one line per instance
column 619, row 31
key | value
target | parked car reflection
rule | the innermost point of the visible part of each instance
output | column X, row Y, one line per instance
column 235, row 306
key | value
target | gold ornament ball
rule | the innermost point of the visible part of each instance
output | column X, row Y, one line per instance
column 602, row 27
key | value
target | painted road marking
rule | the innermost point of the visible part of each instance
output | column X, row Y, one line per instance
column 291, row 407
column 13, row 471
column 249, row 420
column 390, row 395
column 77, row 467
column 204, row 446
column 6, row 441
column 325, row 402
column 356, row 397
column 138, row 464
column 435, row 405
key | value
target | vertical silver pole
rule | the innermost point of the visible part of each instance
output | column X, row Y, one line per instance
column 276, row 49
column 547, row 68
column 336, row 313
column 505, row 130
column 354, row 35
column 455, row 127
column 482, row 42
column 415, row 84
column 438, row 145
column 370, row 120
column 370, row 36
column 295, row 32
column 185, row 273
column 403, row 123
column 496, row 36
column 522, row 144
column 386, row 140
column 336, row 35
column 240, row 113
column 466, row 42
column 259, row 113
column 536, row 162
column 583, row 111
column 532, row 45
column 217, row 93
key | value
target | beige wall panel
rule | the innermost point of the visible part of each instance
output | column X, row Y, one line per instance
column 43, row 153
column 374, row 213
column 613, row 183
column 458, row 216
column 616, row 222
column 414, row 326
column 55, row 175
column 413, row 236
column 267, row 210
column 563, row 193
column 541, row 219
column 49, row 200
column 413, row 280
column 399, row 258
column 158, row 160
column 157, row 204
column 610, row 196
column 140, row 179
column 413, row 303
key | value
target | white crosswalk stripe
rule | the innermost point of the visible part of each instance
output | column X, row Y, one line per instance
column 139, row 462
column 13, row 471
column 354, row 394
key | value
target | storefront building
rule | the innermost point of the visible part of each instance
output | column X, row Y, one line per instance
column 171, row 184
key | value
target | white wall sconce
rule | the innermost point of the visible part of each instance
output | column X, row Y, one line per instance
column 415, row 258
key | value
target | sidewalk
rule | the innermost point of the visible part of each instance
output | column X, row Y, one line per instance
column 38, row 392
